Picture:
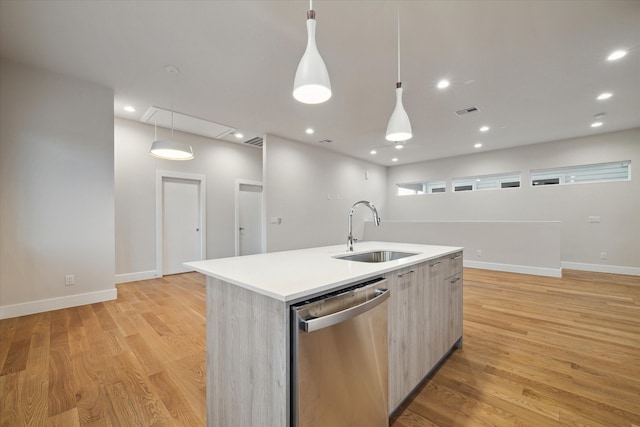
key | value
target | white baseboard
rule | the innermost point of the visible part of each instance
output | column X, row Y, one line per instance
column 600, row 268
column 512, row 268
column 40, row 306
column 134, row 277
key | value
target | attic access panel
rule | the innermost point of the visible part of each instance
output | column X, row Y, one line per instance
column 185, row 123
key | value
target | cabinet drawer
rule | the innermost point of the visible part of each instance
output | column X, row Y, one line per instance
column 446, row 266
column 454, row 263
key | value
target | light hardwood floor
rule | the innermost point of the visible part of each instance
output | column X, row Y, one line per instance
column 537, row 352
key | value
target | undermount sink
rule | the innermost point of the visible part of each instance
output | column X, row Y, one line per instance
column 376, row 256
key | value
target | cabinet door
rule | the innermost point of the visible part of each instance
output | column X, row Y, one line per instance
column 455, row 309
column 403, row 327
column 437, row 312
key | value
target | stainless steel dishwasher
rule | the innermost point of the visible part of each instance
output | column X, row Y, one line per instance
column 339, row 358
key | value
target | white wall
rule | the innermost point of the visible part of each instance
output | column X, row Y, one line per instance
column 135, row 182
column 56, row 191
column 312, row 190
column 617, row 203
column 488, row 245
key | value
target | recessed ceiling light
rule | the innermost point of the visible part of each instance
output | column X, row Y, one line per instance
column 443, row 84
column 129, row 108
column 238, row 135
column 604, row 95
column 395, row 159
column 596, row 124
column 309, row 131
column 399, row 146
column 617, row 54
column 477, row 145
column 373, row 152
column 484, row 128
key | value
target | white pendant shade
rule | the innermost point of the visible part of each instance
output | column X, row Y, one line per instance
column 171, row 150
column 399, row 127
column 311, row 85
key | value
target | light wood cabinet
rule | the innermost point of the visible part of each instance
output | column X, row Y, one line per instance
column 454, row 335
column 249, row 342
column 425, row 321
column 403, row 335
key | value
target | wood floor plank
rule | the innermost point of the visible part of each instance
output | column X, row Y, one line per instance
column 7, row 330
column 146, row 355
column 175, row 401
column 16, row 359
column 189, row 374
column 64, row 419
column 32, row 397
column 10, row 399
column 537, row 352
column 38, row 358
column 61, row 396
column 104, row 317
column 120, row 406
column 92, row 405
column 141, row 392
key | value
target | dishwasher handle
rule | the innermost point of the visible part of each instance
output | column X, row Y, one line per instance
column 333, row 319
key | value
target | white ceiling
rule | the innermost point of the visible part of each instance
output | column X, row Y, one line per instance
column 533, row 68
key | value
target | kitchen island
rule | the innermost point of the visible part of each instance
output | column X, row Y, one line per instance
column 248, row 321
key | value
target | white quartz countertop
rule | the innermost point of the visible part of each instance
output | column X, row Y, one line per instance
column 295, row 275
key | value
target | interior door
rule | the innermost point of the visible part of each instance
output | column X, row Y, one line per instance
column 181, row 224
column 249, row 219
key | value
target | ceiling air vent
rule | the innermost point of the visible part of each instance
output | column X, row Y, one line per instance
column 325, row 141
column 256, row 142
column 467, row 110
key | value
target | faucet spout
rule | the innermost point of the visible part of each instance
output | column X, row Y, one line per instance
column 376, row 220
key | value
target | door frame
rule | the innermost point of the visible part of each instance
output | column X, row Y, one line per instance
column 160, row 176
column 236, row 233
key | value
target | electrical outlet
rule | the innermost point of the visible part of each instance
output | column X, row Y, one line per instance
column 478, row 252
column 603, row 255
column 69, row 280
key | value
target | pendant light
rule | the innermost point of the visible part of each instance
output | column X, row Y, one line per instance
column 399, row 127
column 170, row 149
column 311, row 84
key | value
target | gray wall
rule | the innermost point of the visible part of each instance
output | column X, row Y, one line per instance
column 56, row 190
column 312, row 190
column 220, row 162
column 617, row 203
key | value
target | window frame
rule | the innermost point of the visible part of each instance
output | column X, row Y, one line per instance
column 568, row 175
column 427, row 187
column 500, row 178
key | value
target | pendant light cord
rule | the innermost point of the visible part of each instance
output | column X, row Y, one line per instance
column 173, row 90
column 310, row 4
column 171, row 106
column 399, row 41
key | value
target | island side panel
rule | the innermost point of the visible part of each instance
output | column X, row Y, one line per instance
column 247, row 358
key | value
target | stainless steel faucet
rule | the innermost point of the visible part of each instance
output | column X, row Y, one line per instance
column 376, row 220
